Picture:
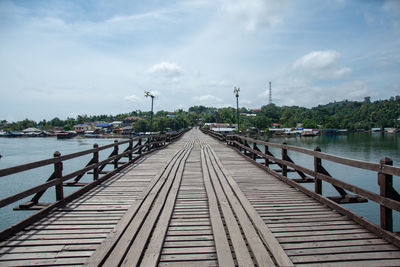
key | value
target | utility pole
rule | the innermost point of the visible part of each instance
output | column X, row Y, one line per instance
column 236, row 92
column 148, row 94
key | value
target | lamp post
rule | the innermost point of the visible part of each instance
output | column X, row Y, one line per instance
column 148, row 94
column 236, row 91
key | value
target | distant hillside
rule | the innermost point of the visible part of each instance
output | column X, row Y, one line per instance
column 341, row 115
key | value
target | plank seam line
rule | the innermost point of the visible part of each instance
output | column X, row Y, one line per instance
column 255, row 247
column 265, row 233
column 223, row 250
column 109, row 243
column 153, row 251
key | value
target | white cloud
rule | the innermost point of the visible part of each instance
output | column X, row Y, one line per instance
column 310, row 95
column 167, row 69
column 133, row 98
column 209, row 99
column 134, row 17
column 254, row 14
column 245, row 102
column 392, row 6
column 222, row 83
column 322, row 65
column 317, row 60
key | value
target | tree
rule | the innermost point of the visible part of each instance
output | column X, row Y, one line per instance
column 309, row 123
column 140, row 126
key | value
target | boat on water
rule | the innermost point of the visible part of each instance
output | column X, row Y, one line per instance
column 65, row 135
column 309, row 132
column 14, row 134
column 390, row 130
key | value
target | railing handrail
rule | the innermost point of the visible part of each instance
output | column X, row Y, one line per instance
column 388, row 198
column 153, row 142
column 25, row 167
column 389, row 203
column 382, row 168
column 45, row 162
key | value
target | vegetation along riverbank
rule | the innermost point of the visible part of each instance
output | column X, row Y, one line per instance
column 351, row 115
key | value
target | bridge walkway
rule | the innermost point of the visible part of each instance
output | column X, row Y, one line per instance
column 196, row 203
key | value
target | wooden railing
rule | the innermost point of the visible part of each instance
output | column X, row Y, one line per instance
column 388, row 199
column 58, row 180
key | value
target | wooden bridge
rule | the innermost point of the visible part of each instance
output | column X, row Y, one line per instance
column 197, row 202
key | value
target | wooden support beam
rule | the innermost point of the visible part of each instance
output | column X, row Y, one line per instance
column 385, row 182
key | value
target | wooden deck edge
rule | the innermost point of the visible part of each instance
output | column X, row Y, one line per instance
column 6, row 233
column 392, row 238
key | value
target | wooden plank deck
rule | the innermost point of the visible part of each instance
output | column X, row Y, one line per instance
column 196, row 203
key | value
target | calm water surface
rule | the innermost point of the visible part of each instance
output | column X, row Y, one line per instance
column 362, row 146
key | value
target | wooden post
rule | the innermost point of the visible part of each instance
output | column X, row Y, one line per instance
column 237, row 141
column 115, row 153
column 246, row 144
column 140, row 146
column 284, row 157
column 96, row 160
column 385, row 182
column 254, row 148
column 148, row 142
column 130, row 147
column 58, row 167
column 317, row 169
column 266, row 149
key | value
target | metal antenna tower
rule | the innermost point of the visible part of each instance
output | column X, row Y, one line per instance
column 270, row 93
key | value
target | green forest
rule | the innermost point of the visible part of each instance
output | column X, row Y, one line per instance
column 352, row 115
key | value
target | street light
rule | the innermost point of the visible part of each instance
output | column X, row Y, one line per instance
column 236, row 91
column 148, row 94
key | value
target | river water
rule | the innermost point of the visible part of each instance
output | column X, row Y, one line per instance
column 363, row 146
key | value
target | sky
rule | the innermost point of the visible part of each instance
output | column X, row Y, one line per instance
column 68, row 58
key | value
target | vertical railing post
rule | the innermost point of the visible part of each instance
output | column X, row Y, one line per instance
column 385, row 182
column 266, row 149
column 115, row 154
column 130, row 148
column 284, row 157
column 246, row 152
column 140, row 146
column 95, row 161
column 148, row 141
column 317, row 169
column 254, row 148
column 58, row 167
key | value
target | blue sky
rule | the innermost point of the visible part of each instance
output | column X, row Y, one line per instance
column 64, row 58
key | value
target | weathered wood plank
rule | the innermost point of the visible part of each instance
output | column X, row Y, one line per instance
column 153, row 251
column 238, row 243
column 261, row 254
column 223, row 250
column 110, row 247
